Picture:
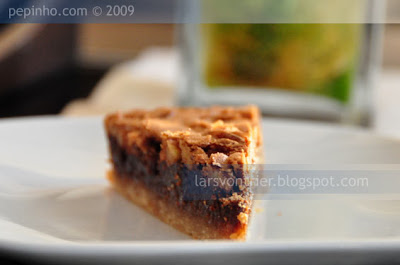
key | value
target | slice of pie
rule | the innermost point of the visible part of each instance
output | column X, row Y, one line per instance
column 188, row 166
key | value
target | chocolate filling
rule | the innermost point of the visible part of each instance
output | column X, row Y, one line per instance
column 178, row 184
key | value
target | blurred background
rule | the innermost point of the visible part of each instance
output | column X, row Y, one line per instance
column 91, row 69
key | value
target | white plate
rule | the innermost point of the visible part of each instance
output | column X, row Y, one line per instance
column 55, row 204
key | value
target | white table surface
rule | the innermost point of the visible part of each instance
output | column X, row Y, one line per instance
column 150, row 81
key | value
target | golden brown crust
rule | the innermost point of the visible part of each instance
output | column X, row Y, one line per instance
column 191, row 135
column 195, row 226
column 216, row 142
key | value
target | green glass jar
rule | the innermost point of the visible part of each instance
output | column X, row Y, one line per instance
column 321, row 71
column 308, row 58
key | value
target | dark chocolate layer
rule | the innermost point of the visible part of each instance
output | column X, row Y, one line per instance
column 179, row 184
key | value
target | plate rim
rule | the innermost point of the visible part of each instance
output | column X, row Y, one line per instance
column 186, row 248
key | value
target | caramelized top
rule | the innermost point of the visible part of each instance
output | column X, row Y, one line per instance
column 215, row 135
